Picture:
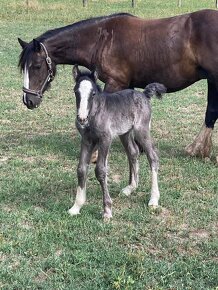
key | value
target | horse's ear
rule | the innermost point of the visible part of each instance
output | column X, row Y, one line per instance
column 36, row 45
column 23, row 44
column 95, row 75
column 76, row 72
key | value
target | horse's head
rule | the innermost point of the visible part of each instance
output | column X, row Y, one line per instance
column 38, row 71
column 85, row 89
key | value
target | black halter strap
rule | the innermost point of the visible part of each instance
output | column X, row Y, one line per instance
column 48, row 79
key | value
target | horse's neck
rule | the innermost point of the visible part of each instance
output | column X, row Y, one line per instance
column 71, row 48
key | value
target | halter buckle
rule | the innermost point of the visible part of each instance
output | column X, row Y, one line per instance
column 48, row 60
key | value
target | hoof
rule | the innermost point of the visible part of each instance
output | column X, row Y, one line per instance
column 202, row 145
column 74, row 211
column 154, row 209
column 198, row 150
column 107, row 217
column 127, row 190
column 153, row 203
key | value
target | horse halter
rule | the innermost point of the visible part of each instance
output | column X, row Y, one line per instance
column 48, row 79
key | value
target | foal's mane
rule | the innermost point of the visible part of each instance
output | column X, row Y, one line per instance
column 87, row 75
column 26, row 53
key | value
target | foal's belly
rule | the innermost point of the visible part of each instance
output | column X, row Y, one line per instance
column 120, row 128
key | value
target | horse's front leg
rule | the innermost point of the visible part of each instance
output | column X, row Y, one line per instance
column 202, row 145
column 101, row 175
column 82, row 170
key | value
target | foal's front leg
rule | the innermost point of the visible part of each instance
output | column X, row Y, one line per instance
column 82, row 170
column 101, row 175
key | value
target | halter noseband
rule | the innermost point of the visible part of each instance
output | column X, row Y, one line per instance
column 48, row 79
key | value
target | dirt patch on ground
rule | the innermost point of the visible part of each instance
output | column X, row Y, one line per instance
column 44, row 275
column 116, row 178
column 200, row 234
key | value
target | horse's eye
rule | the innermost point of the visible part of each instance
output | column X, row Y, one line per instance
column 37, row 66
column 94, row 93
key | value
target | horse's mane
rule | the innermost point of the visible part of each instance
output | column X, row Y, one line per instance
column 79, row 24
column 28, row 50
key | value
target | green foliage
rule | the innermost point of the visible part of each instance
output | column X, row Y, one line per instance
column 41, row 246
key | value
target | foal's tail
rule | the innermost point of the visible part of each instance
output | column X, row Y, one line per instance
column 156, row 89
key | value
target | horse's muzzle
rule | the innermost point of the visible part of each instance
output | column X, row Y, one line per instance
column 31, row 102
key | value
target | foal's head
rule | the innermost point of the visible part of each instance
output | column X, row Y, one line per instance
column 85, row 89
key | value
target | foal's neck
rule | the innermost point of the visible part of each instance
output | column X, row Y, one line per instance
column 97, row 102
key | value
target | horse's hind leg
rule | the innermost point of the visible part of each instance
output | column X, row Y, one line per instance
column 144, row 138
column 82, row 169
column 101, row 175
column 202, row 144
column 132, row 151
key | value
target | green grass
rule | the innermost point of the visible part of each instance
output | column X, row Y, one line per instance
column 41, row 246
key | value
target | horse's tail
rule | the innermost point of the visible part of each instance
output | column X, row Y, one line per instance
column 156, row 89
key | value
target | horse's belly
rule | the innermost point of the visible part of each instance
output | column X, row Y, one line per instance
column 175, row 77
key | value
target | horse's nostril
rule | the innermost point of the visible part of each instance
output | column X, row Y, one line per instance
column 29, row 104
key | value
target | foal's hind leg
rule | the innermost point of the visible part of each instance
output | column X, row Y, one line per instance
column 82, row 169
column 132, row 151
column 144, row 138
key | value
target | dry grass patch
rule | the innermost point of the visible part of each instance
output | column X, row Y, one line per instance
column 26, row 4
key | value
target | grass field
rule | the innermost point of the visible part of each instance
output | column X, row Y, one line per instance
column 41, row 246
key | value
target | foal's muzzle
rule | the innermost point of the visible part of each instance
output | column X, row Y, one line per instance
column 82, row 121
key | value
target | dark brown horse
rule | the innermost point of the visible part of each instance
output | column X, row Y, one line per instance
column 130, row 52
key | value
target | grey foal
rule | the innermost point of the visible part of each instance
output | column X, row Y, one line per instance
column 102, row 116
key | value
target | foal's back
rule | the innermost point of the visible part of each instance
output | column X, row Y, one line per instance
column 122, row 111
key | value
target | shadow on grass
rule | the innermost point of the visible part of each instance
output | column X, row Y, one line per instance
column 57, row 143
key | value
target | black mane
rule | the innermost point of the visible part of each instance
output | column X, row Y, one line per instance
column 78, row 24
column 25, row 55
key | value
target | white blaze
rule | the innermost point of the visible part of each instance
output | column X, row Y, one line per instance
column 26, row 81
column 84, row 90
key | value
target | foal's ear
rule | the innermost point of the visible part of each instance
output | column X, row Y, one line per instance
column 76, row 72
column 23, row 44
column 94, row 75
column 36, row 45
